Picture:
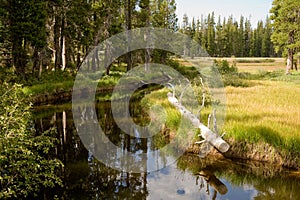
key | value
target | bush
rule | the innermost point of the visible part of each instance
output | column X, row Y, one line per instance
column 25, row 168
column 230, row 74
column 224, row 67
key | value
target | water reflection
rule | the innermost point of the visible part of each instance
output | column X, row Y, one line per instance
column 189, row 178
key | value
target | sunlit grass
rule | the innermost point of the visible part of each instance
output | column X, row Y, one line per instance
column 159, row 97
column 268, row 112
column 265, row 110
column 47, row 88
column 56, row 82
column 252, row 67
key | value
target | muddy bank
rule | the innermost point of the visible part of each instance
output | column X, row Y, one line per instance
column 262, row 152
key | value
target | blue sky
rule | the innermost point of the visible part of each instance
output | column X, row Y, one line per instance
column 252, row 9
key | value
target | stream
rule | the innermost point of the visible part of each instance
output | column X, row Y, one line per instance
column 188, row 178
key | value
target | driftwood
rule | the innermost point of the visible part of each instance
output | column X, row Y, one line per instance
column 209, row 136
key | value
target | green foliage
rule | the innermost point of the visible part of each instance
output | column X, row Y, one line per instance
column 230, row 75
column 266, row 60
column 24, row 27
column 224, row 67
column 286, row 20
column 228, row 37
column 163, row 14
column 25, row 165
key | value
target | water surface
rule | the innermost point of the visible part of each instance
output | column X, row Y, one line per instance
column 188, row 178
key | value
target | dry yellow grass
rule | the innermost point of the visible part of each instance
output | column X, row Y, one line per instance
column 268, row 111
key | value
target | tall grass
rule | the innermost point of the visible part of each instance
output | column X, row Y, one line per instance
column 262, row 105
column 267, row 112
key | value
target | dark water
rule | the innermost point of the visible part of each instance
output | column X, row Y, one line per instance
column 188, row 178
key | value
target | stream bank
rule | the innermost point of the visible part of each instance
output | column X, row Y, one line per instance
column 262, row 152
column 244, row 150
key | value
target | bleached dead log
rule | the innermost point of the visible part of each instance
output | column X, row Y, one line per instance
column 208, row 135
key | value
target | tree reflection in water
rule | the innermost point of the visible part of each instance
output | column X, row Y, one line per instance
column 86, row 178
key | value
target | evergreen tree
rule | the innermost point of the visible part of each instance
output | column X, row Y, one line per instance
column 211, row 34
column 241, row 38
column 230, row 38
column 286, row 35
column 266, row 39
column 25, row 22
column 247, row 36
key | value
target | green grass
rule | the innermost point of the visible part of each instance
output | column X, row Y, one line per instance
column 264, row 60
column 268, row 112
column 48, row 88
column 52, row 83
column 262, row 102
column 159, row 97
column 262, row 106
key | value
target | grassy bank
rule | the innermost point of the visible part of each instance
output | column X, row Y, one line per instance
column 262, row 102
column 59, row 85
column 262, row 110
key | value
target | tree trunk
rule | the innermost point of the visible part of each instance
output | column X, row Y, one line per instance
column 35, row 59
column 128, row 27
column 148, row 39
column 19, row 56
column 290, row 58
column 295, row 62
column 208, row 135
column 63, row 45
column 108, row 50
column 289, row 62
column 78, row 57
column 57, row 36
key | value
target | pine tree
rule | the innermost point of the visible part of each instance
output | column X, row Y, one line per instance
column 266, row 39
column 286, row 35
column 26, row 28
column 241, row 38
column 247, row 36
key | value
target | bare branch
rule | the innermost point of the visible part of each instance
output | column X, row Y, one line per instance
column 215, row 122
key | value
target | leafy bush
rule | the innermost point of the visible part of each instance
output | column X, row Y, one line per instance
column 230, row 74
column 224, row 67
column 25, row 168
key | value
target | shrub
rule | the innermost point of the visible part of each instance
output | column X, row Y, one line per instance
column 224, row 67
column 230, row 74
column 25, row 168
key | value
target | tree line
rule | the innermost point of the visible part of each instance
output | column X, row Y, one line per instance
column 38, row 34
column 229, row 37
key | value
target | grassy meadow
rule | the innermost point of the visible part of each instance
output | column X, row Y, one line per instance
column 268, row 110
column 263, row 104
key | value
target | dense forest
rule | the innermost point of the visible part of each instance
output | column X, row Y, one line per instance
column 229, row 37
column 36, row 35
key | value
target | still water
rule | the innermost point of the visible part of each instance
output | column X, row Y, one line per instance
column 188, row 178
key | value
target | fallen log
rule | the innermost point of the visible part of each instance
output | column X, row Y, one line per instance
column 211, row 137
